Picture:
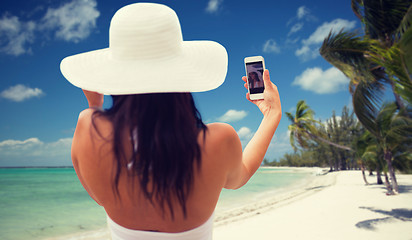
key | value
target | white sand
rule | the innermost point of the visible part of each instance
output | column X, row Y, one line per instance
column 335, row 206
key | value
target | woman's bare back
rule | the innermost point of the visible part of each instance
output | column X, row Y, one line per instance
column 94, row 163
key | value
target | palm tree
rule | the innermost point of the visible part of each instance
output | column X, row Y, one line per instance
column 372, row 156
column 382, row 57
column 393, row 131
column 361, row 143
column 343, row 130
column 303, row 128
column 391, row 143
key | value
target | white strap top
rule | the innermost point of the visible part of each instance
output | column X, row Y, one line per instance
column 203, row 232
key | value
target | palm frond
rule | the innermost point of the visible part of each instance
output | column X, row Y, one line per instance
column 382, row 18
column 405, row 46
column 367, row 99
column 384, row 118
column 399, row 131
column 301, row 122
column 404, row 25
column 357, row 8
column 391, row 61
column 346, row 51
column 303, row 110
column 371, row 153
column 290, row 117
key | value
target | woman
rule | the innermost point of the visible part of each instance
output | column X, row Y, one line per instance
column 149, row 160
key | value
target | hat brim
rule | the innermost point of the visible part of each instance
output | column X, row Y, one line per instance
column 201, row 66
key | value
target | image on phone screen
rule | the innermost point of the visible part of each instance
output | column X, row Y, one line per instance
column 255, row 77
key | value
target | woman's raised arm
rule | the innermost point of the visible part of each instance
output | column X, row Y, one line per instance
column 255, row 150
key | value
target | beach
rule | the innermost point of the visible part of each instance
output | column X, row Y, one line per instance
column 337, row 205
column 308, row 203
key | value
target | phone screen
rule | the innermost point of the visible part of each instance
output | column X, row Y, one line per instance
column 255, row 77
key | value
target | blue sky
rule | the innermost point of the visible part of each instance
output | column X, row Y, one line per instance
column 39, row 108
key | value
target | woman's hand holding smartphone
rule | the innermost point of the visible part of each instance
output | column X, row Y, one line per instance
column 270, row 103
column 254, row 73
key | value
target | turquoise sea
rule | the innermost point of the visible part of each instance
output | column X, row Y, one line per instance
column 39, row 203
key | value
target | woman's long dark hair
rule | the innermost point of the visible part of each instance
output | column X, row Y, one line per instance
column 163, row 130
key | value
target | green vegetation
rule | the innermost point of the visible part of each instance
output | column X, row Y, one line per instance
column 377, row 61
column 379, row 138
column 342, row 143
column 320, row 144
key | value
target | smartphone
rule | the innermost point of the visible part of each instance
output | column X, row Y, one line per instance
column 254, row 73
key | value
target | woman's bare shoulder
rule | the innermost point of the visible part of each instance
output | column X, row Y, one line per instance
column 219, row 133
column 222, row 137
column 222, row 130
column 91, row 132
column 88, row 122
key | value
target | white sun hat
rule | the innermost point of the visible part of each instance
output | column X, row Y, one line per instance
column 147, row 54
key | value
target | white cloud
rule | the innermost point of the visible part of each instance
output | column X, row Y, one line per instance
column 245, row 134
column 322, row 31
column 72, row 21
column 322, row 82
column 18, row 144
column 303, row 15
column 33, row 152
column 296, row 28
column 306, row 53
column 271, row 46
column 213, row 6
column 61, row 145
column 15, row 35
column 302, row 12
column 292, row 41
column 20, row 93
column 232, row 116
column 310, row 46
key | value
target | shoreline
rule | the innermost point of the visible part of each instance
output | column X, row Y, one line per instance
column 277, row 198
column 264, row 202
column 336, row 206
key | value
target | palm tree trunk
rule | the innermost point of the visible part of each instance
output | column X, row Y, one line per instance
column 330, row 165
column 388, row 185
column 336, row 165
column 363, row 174
column 379, row 178
column 315, row 137
column 378, row 175
column 342, row 161
column 388, row 159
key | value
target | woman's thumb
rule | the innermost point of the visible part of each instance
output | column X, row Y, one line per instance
column 266, row 78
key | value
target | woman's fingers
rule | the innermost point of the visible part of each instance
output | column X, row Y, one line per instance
column 245, row 80
column 266, row 78
column 248, row 96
